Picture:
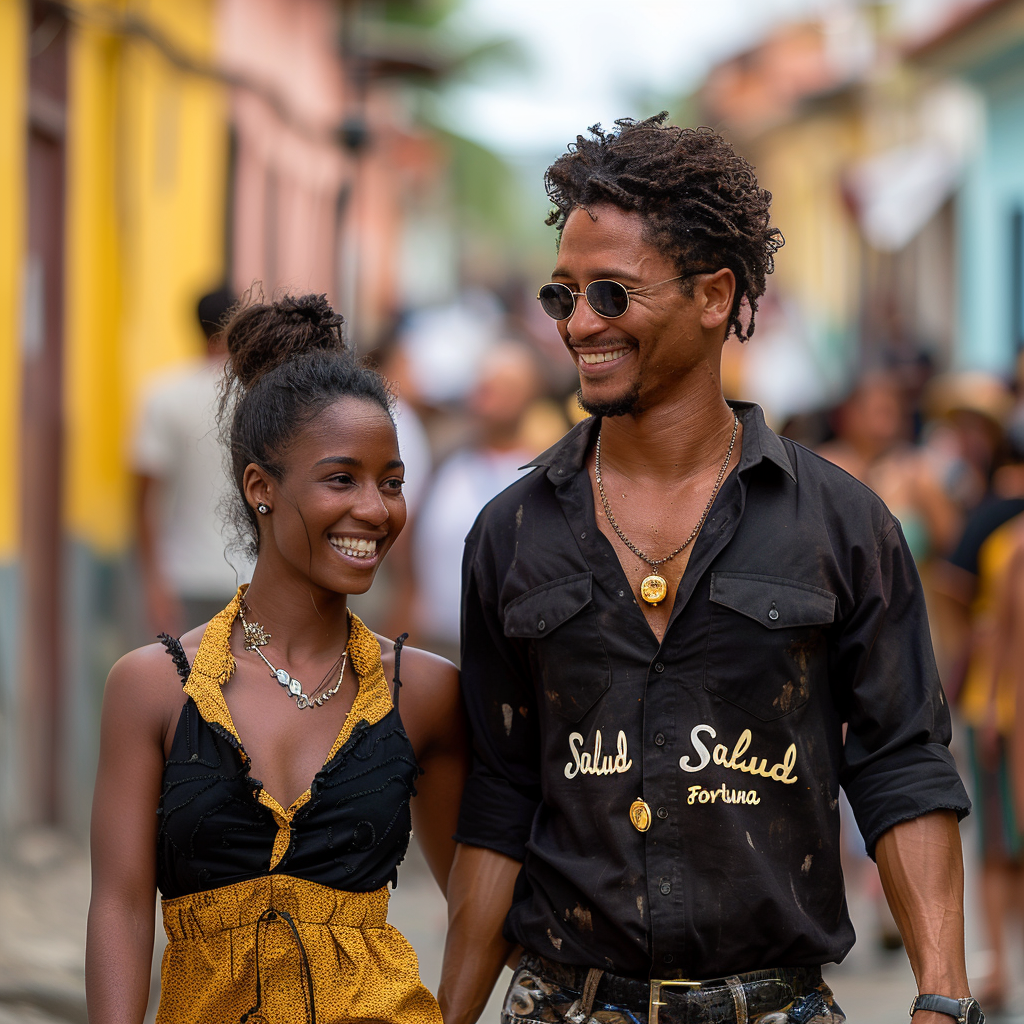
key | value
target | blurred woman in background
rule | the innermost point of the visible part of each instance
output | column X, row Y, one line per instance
column 272, row 808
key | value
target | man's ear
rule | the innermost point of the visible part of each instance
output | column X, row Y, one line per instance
column 258, row 486
column 717, row 292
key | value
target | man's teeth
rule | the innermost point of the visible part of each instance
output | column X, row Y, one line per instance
column 357, row 547
column 602, row 357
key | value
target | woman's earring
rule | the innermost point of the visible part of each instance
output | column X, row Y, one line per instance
column 262, row 509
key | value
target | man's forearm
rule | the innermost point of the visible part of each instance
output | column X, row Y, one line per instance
column 921, row 866
column 479, row 897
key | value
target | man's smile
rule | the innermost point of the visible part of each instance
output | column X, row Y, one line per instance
column 599, row 357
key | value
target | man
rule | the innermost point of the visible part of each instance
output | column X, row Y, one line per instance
column 180, row 473
column 665, row 627
column 508, row 382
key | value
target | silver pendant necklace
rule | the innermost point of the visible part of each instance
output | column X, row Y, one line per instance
column 256, row 637
column 654, row 588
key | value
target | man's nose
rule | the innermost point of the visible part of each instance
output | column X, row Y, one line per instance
column 584, row 322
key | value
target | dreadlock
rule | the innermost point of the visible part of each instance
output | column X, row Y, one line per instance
column 699, row 198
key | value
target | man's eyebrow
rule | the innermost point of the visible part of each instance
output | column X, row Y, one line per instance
column 618, row 274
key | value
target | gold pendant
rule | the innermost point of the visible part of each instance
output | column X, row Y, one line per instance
column 640, row 815
column 653, row 589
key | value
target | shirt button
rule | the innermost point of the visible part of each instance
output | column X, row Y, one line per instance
column 659, row 667
column 665, row 887
column 542, row 625
column 583, row 535
column 659, row 739
column 662, row 812
column 668, row 958
column 622, row 593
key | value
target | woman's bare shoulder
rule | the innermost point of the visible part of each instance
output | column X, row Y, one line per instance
column 149, row 677
column 420, row 669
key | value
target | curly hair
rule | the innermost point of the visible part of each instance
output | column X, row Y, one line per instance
column 699, row 198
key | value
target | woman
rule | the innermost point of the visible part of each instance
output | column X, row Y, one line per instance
column 272, row 808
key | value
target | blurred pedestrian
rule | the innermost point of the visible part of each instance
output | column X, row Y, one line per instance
column 984, row 575
column 966, row 411
column 187, row 573
column 507, row 385
column 872, row 444
column 275, row 891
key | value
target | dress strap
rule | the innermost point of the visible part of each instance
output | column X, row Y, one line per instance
column 177, row 653
column 399, row 644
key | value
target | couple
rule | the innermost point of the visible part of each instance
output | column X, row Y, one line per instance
column 666, row 626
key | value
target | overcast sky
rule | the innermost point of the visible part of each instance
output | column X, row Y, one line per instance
column 590, row 59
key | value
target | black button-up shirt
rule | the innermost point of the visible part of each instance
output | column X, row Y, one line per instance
column 800, row 609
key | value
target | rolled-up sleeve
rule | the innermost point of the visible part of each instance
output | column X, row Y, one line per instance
column 503, row 789
column 896, row 761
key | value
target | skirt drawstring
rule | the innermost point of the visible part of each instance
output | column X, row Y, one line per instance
column 268, row 917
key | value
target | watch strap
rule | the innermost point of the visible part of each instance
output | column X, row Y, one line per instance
column 955, row 1008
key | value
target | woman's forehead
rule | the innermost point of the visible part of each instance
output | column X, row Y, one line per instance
column 348, row 424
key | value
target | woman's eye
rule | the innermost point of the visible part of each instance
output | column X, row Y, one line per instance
column 394, row 485
column 341, row 478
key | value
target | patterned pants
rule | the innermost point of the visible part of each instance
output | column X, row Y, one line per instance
column 534, row 999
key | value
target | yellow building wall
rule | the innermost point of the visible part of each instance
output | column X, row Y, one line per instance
column 801, row 163
column 147, row 153
column 13, row 71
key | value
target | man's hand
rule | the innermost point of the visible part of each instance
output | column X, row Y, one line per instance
column 479, row 897
column 921, row 866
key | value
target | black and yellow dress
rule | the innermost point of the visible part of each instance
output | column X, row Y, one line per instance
column 277, row 915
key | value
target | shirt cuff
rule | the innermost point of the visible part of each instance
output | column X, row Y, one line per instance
column 495, row 815
column 905, row 784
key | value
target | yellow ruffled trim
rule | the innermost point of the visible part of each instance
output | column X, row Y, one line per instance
column 214, row 665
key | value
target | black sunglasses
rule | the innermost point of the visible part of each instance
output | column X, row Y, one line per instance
column 609, row 299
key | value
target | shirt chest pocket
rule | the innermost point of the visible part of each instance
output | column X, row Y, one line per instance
column 558, row 621
column 767, row 644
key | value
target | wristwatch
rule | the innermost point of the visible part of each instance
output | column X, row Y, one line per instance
column 964, row 1011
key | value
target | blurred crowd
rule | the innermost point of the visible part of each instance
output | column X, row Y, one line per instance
column 482, row 386
column 945, row 451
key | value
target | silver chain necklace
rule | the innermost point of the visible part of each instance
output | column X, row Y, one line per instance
column 654, row 588
column 256, row 637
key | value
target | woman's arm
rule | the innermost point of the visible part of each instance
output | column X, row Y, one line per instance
column 119, row 947
column 432, row 714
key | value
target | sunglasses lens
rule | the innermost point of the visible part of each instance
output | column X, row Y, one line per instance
column 557, row 301
column 607, row 298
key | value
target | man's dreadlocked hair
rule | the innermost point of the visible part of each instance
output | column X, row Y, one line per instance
column 700, row 199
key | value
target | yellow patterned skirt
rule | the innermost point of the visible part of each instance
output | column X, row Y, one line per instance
column 281, row 950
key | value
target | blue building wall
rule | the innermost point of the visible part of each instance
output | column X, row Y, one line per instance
column 993, row 190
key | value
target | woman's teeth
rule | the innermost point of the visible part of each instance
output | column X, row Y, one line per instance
column 601, row 357
column 356, row 547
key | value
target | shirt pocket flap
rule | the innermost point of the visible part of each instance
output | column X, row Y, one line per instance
column 775, row 603
column 538, row 612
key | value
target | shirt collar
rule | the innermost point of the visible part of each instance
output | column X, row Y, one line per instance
column 565, row 458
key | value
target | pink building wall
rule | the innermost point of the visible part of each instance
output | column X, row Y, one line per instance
column 289, row 169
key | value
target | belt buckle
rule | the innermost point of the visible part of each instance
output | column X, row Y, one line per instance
column 655, row 1002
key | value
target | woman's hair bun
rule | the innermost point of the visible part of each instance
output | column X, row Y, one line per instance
column 262, row 335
